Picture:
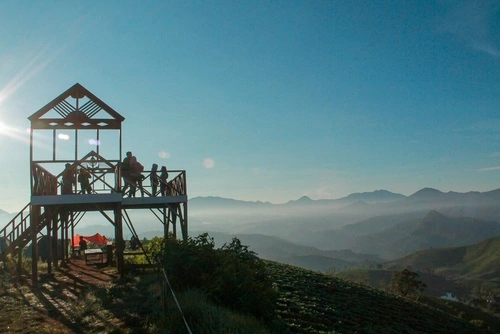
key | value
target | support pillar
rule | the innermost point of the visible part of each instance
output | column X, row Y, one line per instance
column 49, row 250
column 173, row 219
column 185, row 222
column 34, row 221
column 53, row 240
column 119, row 242
column 165, row 223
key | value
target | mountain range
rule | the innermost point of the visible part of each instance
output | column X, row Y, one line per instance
column 380, row 224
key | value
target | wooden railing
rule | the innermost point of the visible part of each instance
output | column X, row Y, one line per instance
column 17, row 225
column 175, row 185
column 17, row 232
column 106, row 177
column 44, row 183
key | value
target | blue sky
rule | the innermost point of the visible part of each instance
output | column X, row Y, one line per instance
column 268, row 100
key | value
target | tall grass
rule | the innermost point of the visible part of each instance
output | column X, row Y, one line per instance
column 202, row 316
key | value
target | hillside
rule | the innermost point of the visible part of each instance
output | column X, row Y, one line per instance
column 307, row 257
column 310, row 302
column 435, row 230
column 94, row 301
column 467, row 272
column 480, row 260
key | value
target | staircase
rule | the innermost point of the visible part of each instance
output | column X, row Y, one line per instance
column 17, row 233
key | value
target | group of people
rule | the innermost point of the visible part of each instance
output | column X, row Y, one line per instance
column 69, row 180
column 131, row 171
column 160, row 180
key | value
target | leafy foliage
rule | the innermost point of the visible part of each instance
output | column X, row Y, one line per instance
column 405, row 283
column 232, row 276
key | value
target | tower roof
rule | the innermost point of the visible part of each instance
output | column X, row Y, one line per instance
column 76, row 108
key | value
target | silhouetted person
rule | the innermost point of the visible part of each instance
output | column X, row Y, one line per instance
column 134, row 243
column 82, row 244
column 125, row 169
column 68, row 180
column 153, row 178
column 163, row 181
column 84, row 179
column 136, row 169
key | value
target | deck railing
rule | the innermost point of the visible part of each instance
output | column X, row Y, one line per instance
column 44, row 183
column 108, row 179
column 174, row 186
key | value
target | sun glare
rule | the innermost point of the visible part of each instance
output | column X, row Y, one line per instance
column 11, row 132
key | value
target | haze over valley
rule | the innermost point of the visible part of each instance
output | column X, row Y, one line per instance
column 361, row 227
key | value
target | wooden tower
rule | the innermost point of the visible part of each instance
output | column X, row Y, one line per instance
column 79, row 133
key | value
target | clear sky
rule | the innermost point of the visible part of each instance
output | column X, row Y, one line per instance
column 268, row 100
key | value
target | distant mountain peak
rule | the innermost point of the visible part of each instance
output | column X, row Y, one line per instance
column 376, row 196
column 426, row 194
column 302, row 200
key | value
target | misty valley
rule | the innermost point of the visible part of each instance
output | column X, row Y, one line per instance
column 450, row 239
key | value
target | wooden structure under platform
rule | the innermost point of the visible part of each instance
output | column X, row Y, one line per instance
column 74, row 122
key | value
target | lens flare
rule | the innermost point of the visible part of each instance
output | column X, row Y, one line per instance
column 164, row 155
column 208, row 163
column 63, row 136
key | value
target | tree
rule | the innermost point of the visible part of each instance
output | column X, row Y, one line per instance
column 232, row 275
column 406, row 283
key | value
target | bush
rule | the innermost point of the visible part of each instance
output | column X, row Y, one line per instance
column 232, row 276
column 406, row 283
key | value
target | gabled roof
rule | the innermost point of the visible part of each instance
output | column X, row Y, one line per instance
column 76, row 108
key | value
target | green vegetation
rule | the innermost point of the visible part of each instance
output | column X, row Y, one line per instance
column 231, row 290
column 474, row 269
column 405, row 283
column 232, row 276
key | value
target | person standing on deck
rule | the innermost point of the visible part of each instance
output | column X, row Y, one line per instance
column 136, row 169
column 68, row 180
column 84, row 179
column 153, row 178
column 163, row 181
column 125, row 169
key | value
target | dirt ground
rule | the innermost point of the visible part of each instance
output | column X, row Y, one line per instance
column 61, row 302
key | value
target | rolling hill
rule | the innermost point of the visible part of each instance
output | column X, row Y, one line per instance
column 307, row 257
column 311, row 302
column 435, row 230
column 479, row 261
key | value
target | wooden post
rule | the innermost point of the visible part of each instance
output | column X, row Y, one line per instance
column 49, row 250
column 34, row 218
column 55, row 249
column 173, row 215
column 185, row 223
column 165, row 223
column 119, row 242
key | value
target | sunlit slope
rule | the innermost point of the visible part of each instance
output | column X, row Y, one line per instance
column 311, row 302
column 479, row 259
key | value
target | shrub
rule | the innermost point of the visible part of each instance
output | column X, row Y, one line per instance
column 406, row 283
column 232, row 276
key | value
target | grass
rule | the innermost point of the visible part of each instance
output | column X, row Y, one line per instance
column 315, row 303
column 308, row 302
